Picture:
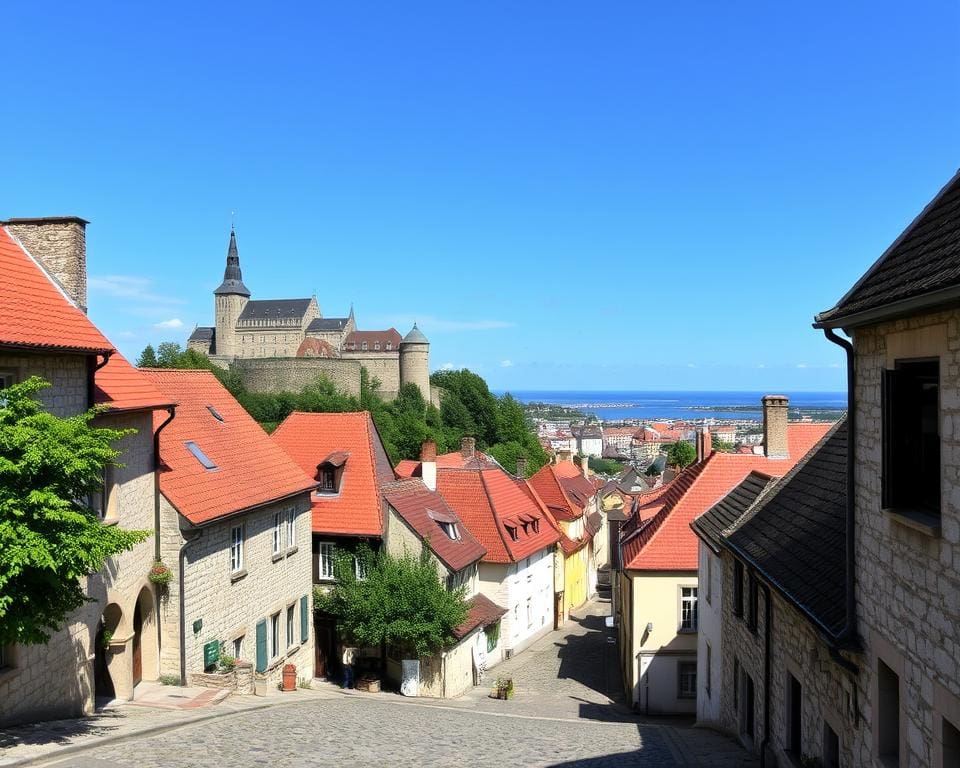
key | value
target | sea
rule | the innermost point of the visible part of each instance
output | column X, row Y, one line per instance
column 622, row 405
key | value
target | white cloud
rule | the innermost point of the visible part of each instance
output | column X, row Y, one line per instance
column 174, row 322
column 128, row 287
column 506, row 363
column 801, row 365
column 447, row 367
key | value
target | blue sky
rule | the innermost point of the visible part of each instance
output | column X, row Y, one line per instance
column 564, row 195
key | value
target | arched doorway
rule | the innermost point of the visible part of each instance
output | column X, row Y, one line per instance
column 137, row 644
column 145, row 647
column 106, row 631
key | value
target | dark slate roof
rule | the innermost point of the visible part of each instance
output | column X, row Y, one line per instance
column 794, row 536
column 924, row 260
column 327, row 324
column 415, row 336
column 273, row 309
column 232, row 277
column 725, row 513
column 201, row 334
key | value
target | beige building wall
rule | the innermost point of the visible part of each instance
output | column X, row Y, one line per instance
column 651, row 658
column 229, row 605
column 67, row 374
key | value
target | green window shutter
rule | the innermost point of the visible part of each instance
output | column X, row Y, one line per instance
column 262, row 645
column 304, row 618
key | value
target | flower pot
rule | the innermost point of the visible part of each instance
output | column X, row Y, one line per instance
column 289, row 677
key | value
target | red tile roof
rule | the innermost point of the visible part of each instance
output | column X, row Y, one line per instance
column 563, row 488
column 452, row 460
column 423, row 510
column 309, row 438
column 121, row 387
column 481, row 612
column 34, row 312
column 666, row 542
column 489, row 500
column 250, row 470
column 408, row 468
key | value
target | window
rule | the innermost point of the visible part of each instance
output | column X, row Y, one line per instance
column 450, row 529
column 831, row 747
column 746, row 705
column 737, row 588
column 275, row 635
column 236, row 548
column 888, row 714
column 360, row 568
column 512, row 531
column 376, row 346
column 529, row 613
column 277, row 533
column 389, row 345
column 688, row 609
column 686, row 679
column 215, row 413
column 536, row 526
column 238, row 648
column 328, row 482
column 7, row 379
column 754, row 602
column 200, row 456
column 794, row 715
column 325, row 564
column 291, row 528
column 363, row 346
column 736, row 684
column 291, row 615
column 911, row 436
column 708, row 667
column 709, row 579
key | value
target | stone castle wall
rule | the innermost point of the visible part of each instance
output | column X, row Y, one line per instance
column 294, row 373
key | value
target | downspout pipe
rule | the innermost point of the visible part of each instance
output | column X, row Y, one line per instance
column 92, row 368
column 768, row 605
column 849, row 630
column 172, row 411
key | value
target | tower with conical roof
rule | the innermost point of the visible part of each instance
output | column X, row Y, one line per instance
column 229, row 300
column 415, row 361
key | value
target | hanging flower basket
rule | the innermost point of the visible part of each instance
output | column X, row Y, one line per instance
column 160, row 574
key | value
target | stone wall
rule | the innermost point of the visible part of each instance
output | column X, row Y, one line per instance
column 67, row 374
column 295, row 373
column 60, row 245
column 384, row 366
column 230, row 605
column 908, row 582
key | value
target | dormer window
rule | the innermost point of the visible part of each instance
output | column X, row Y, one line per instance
column 389, row 345
column 328, row 480
column 451, row 530
column 363, row 346
column 536, row 526
column 376, row 346
column 512, row 531
column 330, row 472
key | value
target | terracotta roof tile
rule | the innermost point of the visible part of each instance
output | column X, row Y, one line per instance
column 421, row 508
column 121, row 387
column 310, row 438
column 666, row 541
column 481, row 612
column 250, row 470
column 33, row 310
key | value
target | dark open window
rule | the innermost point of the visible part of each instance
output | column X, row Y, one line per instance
column 753, row 604
column 328, row 479
column 794, row 715
column 737, row 588
column 911, row 436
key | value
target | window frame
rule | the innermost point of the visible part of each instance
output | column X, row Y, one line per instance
column 688, row 603
column 291, row 625
column 291, row 528
column 238, row 647
column 359, row 568
column 686, row 670
column 753, row 602
column 274, row 651
column 708, row 668
column 321, row 560
column 737, row 589
column 236, row 547
column 278, row 533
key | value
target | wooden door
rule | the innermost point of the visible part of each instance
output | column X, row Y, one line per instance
column 137, row 651
column 323, row 637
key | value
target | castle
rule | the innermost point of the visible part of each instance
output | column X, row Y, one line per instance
column 286, row 344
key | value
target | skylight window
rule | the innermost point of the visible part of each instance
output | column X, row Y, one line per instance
column 200, row 455
column 450, row 529
column 215, row 413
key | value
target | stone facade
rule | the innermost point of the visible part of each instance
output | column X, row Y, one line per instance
column 291, row 374
column 60, row 244
column 67, row 374
column 228, row 604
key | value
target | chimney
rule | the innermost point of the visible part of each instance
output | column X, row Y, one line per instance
column 582, row 462
column 59, row 243
column 563, row 455
column 468, row 447
column 704, row 443
column 521, row 467
column 775, row 426
column 428, row 464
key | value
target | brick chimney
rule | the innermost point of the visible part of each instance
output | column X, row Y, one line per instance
column 428, row 464
column 59, row 243
column 521, row 466
column 468, row 447
column 563, row 455
column 775, row 426
column 704, row 443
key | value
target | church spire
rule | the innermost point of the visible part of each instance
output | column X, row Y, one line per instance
column 232, row 277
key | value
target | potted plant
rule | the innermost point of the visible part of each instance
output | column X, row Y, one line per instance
column 107, row 637
column 159, row 574
column 504, row 688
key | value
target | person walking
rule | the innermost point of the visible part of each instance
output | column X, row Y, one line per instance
column 349, row 658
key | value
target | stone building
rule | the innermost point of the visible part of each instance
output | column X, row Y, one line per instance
column 235, row 533
column 658, row 584
column 285, row 344
column 108, row 645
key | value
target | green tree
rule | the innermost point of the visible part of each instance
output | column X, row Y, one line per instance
column 479, row 403
column 400, row 603
column 50, row 538
column 511, row 420
column 652, row 470
column 605, row 466
column 148, row 358
column 681, row 454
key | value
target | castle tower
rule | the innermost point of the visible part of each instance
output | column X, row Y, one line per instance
column 230, row 299
column 415, row 361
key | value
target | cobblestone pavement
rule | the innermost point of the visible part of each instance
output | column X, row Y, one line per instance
column 567, row 712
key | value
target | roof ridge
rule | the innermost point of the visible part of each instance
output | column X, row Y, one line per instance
column 496, row 517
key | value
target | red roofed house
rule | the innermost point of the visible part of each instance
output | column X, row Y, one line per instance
column 658, row 585
column 235, row 531
column 517, row 572
column 44, row 331
column 572, row 501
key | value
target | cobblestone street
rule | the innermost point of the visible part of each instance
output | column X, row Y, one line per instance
column 567, row 712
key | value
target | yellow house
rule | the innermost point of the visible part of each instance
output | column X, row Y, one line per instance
column 572, row 501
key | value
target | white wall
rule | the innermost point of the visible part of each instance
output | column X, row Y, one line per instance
column 510, row 586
